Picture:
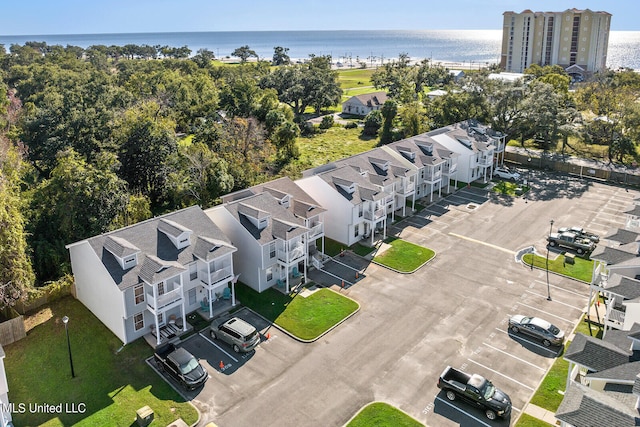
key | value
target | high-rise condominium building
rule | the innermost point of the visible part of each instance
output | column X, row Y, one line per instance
column 575, row 39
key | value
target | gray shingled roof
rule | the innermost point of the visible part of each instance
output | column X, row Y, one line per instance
column 155, row 270
column 634, row 211
column 346, row 175
column 622, row 236
column 625, row 372
column 626, row 287
column 146, row 236
column 372, row 99
column 439, row 153
column 611, row 256
column 595, row 354
column 172, row 228
column 208, row 249
column 266, row 204
column 120, row 247
column 584, row 407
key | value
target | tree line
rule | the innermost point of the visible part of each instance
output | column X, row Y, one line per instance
column 95, row 139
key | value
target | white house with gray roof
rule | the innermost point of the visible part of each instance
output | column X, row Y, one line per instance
column 142, row 278
column 356, row 208
column 272, row 241
column 361, row 105
column 477, row 146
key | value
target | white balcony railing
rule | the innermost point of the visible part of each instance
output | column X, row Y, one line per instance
column 616, row 318
column 294, row 253
column 316, row 231
column 375, row 215
column 164, row 299
column 408, row 188
column 485, row 162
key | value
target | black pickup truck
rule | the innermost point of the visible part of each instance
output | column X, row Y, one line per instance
column 181, row 365
column 476, row 390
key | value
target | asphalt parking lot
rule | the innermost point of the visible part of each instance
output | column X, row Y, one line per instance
column 453, row 311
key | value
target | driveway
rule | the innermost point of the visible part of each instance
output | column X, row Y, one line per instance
column 453, row 312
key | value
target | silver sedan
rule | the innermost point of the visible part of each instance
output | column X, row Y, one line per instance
column 537, row 328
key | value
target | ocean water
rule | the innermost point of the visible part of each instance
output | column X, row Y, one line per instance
column 373, row 47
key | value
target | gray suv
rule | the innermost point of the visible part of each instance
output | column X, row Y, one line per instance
column 242, row 336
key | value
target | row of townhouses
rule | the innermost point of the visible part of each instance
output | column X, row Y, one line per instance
column 145, row 279
column 603, row 382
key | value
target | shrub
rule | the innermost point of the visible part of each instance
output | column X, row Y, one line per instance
column 327, row 122
column 351, row 125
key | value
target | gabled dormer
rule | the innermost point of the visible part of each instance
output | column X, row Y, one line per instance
column 283, row 198
column 383, row 165
column 207, row 248
column 344, row 184
column 155, row 270
column 464, row 141
column 124, row 252
column 258, row 217
column 407, row 154
column 180, row 236
column 426, row 147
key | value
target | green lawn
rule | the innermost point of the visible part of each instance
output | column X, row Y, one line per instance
column 306, row 318
column 404, row 256
column 527, row 420
column 381, row 414
column 581, row 270
column 510, row 188
column 548, row 393
column 112, row 384
column 354, row 78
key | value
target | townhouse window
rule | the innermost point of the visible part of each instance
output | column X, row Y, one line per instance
column 160, row 288
column 360, row 210
column 193, row 271
column 356, row 231
column 138, row 294
column 272, row 250
column 160, row 319
column 138, row 321
column 269, row 274
column 192, row 296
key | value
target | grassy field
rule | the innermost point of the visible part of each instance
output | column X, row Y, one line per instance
column 381, row 414
column 334, row 144
column 354, row 78
column 112, row 382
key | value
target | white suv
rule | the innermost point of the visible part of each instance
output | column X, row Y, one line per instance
column 506, row 173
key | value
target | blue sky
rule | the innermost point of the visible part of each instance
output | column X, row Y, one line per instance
column 35, row 17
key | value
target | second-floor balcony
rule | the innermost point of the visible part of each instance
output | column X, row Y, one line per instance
column 317, row 230
column 615, row 317
column 375, row 215
column 433, row 176
column 486, row 161
column 450, row 170
column 165, row 300
column 293, row 254
column 216, row 276
column 406, row 189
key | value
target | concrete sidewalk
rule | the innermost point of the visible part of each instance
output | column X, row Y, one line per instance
column 541, row 414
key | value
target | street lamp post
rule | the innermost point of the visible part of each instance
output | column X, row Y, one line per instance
column 548, row 288
column 65, row 320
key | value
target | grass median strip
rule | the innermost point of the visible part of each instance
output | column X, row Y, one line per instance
column 404, row 256
column 304, row 317
column 581, row 269
column 382, row 415
column 109, row 385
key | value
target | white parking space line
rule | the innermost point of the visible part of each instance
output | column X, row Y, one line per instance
column 509, row 251
column 546, row 312
column 501, row 374
column 521, row 338
column 556, row 301
column 464, row 412
column 515, row 357
column 217, row 346
column 561, row 289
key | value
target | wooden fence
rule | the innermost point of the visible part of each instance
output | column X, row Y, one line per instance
column 12, row 330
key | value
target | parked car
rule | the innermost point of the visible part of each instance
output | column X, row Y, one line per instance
column 537, row 328
column 476, row 390
column 506, row 173
column 181, row 365
column 581, row 232
column 242, row 336
column 571, row 240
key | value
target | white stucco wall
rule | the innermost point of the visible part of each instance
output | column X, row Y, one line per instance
column 96, row 290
